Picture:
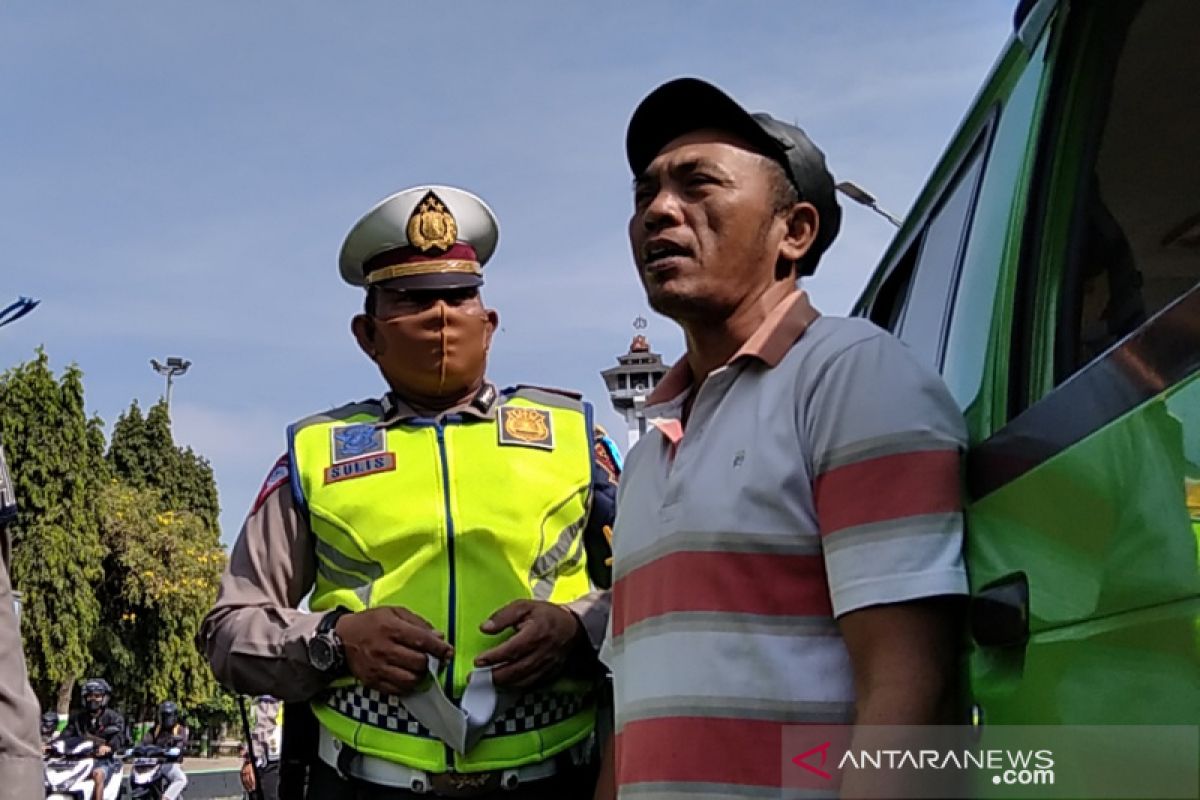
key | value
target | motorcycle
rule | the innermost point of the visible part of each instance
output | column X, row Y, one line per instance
column 68, row 771
column 148, row 780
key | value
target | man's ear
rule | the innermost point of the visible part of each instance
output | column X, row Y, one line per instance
column 802, row 222
column 363, row 328
column 493, row 323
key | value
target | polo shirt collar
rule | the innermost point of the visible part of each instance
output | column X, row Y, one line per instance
column 782, row 328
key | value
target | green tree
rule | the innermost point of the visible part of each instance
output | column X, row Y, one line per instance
column 143, row 454
column 159, row 520
column 57, row 552
column 162, row 568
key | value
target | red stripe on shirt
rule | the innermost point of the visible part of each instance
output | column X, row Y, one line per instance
column 701, row 750
column 888, row 487
column 738, row 583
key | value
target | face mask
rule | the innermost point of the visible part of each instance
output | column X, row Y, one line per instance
column 436, row 355
column 94, row 704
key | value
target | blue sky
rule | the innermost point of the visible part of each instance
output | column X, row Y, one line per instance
column 178, row 178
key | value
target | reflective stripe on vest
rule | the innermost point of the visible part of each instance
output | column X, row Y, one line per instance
column 452, row 521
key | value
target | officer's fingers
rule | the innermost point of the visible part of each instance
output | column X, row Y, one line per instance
column 421, row 639
column 515, row 648
column 411, row 618
column 391, row 679
column 523, row 672
column 507, row 617
column 414, row 661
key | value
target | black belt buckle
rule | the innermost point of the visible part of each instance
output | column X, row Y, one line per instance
column 464, row 784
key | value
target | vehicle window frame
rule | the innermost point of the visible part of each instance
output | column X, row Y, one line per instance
column 907, row 263
column 1047, row 271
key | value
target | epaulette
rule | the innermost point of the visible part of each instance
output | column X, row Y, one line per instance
column 551, row 389
column 369, row 406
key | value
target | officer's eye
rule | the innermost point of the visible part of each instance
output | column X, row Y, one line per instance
column 458, row 298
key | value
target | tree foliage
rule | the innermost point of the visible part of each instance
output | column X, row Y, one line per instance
column 118, row 555
column 143, row 454
column 57, row 551
column 162, row 571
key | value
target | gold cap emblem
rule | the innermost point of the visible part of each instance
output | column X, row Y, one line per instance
column 431, row 226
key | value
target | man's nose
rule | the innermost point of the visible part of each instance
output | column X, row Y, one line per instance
column 662, row 211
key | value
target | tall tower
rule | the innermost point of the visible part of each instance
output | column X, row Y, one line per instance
column 631, row 381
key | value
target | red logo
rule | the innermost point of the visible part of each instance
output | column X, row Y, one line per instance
column 823, row 749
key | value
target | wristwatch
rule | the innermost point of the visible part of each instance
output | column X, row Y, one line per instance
column 325, row 651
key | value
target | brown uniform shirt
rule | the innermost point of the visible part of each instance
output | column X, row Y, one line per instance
column 20, row 736
column 256, row 638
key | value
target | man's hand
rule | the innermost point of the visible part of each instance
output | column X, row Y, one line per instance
column 387, row 648
column 247, row 776
column 545, row 635
column 103, row 750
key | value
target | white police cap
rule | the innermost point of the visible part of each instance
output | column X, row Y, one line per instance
column 426, row 237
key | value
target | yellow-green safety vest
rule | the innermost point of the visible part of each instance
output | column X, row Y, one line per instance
column 451, row 519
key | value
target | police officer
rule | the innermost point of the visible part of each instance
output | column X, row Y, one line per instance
column 452, row 536
column 267, row 742
column 20, row 745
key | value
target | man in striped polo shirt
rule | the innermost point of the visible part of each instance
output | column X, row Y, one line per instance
column 788, row 543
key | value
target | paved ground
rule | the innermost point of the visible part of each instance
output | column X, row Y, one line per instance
column 212, row 764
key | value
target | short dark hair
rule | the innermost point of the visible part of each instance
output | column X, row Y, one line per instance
column 784, row 195
column 371, row 301
column 783, row 192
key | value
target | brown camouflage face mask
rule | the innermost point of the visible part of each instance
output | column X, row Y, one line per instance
column 435, row 357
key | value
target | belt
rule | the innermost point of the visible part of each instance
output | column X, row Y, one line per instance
column 382, row 772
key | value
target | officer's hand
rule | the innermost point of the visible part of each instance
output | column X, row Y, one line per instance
column 386, row 648
column 545, row 635
column 247, row 777
column 103, row 750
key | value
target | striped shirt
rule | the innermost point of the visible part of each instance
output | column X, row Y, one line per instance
column 819, row 474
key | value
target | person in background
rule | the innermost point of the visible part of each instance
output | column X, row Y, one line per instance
column 104, row 726
column 266, row 739
column 169, row 733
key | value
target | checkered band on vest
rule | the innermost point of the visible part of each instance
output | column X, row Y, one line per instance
column 380, row 710
column 377, row 709
column 536, row 711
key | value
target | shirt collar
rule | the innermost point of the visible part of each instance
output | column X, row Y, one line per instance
column 782, row 328
column 481, row 406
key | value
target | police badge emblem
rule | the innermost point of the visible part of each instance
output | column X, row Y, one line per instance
column 355, row 441
column 431, row 225
column 527, row 427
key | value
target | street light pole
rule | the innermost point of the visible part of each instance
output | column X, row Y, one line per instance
column 865, row 198
column 174, row 366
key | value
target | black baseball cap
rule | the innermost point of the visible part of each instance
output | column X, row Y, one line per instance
column 689, row 104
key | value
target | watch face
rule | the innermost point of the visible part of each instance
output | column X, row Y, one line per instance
column 321, row 653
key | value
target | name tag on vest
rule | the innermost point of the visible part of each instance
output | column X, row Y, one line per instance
column 359, row 467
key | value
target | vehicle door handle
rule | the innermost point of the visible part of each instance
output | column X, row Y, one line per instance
column 999, row 614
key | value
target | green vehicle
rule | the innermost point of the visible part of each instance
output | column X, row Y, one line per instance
column 1050, row 269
